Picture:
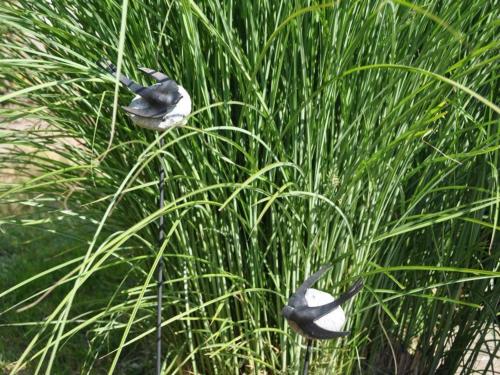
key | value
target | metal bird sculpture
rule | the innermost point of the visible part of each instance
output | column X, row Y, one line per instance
column 158, row 107
column 315, row 314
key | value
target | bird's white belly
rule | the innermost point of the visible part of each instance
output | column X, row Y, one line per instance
column 333, row 321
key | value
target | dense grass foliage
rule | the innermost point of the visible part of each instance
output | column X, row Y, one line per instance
column 360, row 133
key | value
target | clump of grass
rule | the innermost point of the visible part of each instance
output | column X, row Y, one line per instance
column 360, row 133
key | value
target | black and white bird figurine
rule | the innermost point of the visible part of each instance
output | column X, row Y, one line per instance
column 315, row 314
column 158, row 107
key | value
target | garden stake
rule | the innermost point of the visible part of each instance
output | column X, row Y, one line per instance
column 307, row 357
column 159, row 272
column 315, row 314
column 158, row 107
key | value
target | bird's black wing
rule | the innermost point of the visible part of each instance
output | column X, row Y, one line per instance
column 298, row 298
column 317, row 312
column 313, row 330
column 309, row 282
column 163, row 94
column 353, row 290
column 149, row 112
column 305, row 318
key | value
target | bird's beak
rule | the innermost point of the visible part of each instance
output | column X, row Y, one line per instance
column 286, row 312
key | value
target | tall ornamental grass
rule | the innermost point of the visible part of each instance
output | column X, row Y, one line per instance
column 360, row 133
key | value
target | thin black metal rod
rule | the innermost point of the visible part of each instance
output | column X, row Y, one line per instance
column 307, row 357
column 159, row 271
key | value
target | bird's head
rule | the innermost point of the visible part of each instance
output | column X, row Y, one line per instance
column 287, row 311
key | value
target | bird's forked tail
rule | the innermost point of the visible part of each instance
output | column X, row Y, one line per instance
column 111, row 68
